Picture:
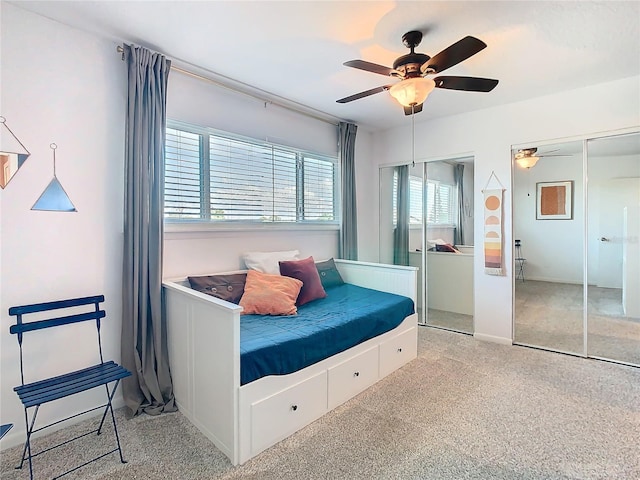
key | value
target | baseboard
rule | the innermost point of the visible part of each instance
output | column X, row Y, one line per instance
column 551, row 280
column 493, row 338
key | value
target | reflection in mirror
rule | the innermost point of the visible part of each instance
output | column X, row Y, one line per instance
column 449, row 244
column 613, row 246
column 427, row 209
column 548, row 251
column 13, row 153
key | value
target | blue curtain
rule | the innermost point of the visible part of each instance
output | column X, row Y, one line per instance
column 458, row 176
column 401, row 232
column 348, row 247
column 144, row 335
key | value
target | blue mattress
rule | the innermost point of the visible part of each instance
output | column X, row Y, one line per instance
column 349, row 315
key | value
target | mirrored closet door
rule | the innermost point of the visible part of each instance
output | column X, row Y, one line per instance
column 576, row 247
column 613, row 248
column 426, row 221
column 549, row 237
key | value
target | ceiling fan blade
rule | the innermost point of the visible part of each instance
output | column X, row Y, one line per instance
column 412, row 110
column 370, row 67
column 366, row 93
column 454, row 54
column 470, row 84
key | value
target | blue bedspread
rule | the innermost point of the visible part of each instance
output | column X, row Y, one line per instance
column 349, row 315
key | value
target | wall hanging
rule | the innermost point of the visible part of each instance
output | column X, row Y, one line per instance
column 54, row 198
column 493, row 231
column 13, row 153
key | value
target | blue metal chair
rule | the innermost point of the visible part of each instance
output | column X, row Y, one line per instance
column 43, row 391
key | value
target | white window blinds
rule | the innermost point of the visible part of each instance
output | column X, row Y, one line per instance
column 182, row 175
column 243, row 180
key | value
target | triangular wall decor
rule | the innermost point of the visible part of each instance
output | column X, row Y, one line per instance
column 12, row 153
column 54, row 198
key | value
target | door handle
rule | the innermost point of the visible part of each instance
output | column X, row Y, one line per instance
column 604, row 239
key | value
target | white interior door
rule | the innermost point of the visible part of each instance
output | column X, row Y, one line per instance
column 616, row 194
column 631, row 262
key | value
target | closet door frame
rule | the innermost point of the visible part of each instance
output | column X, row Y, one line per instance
column 585, row 232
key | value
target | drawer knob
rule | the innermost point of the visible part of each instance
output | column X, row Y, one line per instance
column 294, row 407
column 356, row 374
column 400, row 350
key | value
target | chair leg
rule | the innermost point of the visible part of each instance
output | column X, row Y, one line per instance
column 110, row 396
column 27, row 443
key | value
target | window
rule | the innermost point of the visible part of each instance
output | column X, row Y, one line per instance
column 441, row 198
column 221, row 178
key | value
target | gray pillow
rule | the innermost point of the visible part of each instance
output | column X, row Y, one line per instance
column 226, row 287
column 329, row 274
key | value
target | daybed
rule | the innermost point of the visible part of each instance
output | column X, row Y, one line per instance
column 242, row 418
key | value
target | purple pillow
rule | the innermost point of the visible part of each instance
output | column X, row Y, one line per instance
column 305, row 271
column 446, row 247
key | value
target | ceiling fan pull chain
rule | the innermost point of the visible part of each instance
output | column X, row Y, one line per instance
column 413, row 136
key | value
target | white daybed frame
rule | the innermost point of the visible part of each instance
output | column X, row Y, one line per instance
column 242, row 421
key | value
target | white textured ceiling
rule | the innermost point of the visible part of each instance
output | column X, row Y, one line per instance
column 295, row 49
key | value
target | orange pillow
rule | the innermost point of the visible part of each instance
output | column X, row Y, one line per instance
column 267, row 294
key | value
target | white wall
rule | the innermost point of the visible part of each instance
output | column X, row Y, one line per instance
column 202, row 103
column 367, row 187
column 488, row 135
column 60, row 85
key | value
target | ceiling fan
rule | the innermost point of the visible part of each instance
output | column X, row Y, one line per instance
column 414, row 69
column 528, row 157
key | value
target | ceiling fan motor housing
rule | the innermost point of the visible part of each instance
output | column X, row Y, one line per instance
column 410, row 64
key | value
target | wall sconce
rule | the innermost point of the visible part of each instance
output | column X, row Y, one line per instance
column 54, row 198
column 13, row 153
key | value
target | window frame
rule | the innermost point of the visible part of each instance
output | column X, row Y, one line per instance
column 206, row 223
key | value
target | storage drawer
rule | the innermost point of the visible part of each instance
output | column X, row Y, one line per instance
column 352, row 376
column 397, row 351
column 278, row 416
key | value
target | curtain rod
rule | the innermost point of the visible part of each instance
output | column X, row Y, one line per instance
column 120, row 50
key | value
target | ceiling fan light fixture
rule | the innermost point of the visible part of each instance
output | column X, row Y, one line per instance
column 527, row 162
column 412, row 91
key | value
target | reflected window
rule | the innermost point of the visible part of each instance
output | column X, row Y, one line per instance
column 441, row 202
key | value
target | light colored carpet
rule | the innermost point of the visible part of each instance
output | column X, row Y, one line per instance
column 454, row 321
column 550, row 315
column 464, row 409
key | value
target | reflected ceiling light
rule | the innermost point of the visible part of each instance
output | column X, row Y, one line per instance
column 412, row 91
column 526, row 157
column 527, row 162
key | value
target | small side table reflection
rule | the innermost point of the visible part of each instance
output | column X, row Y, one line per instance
column 520, row 260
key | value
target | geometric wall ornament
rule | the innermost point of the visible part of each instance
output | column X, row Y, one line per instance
column 13, row 153
column 54, row 198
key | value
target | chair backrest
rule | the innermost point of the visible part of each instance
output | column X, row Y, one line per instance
column 22, row 327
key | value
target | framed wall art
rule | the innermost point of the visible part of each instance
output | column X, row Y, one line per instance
column 554, row 200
